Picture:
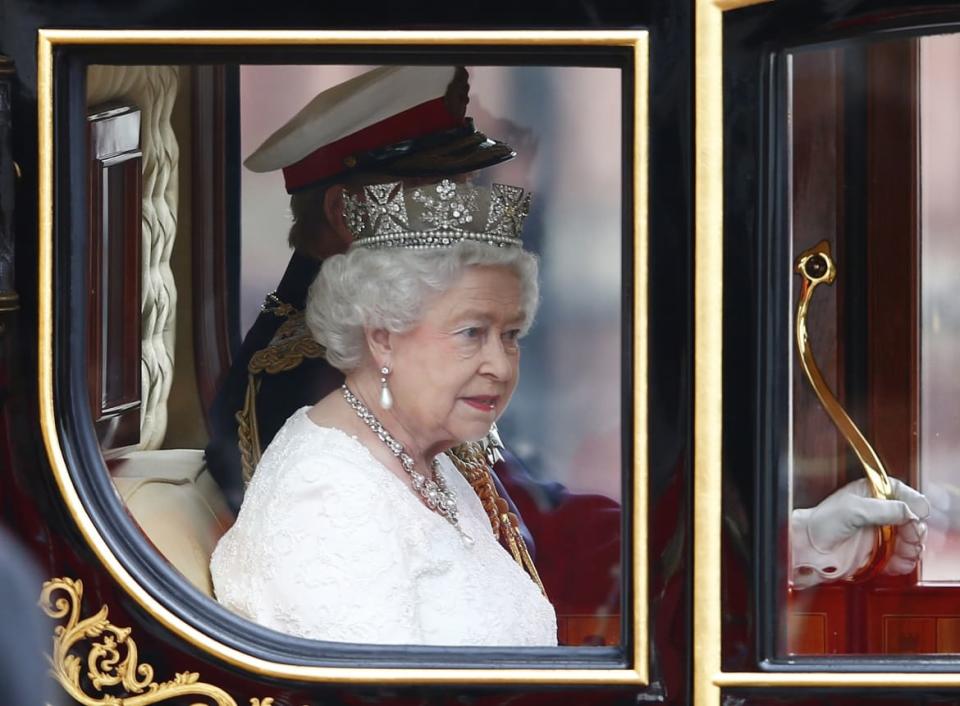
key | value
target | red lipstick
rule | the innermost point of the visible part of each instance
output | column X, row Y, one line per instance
column 485, row 403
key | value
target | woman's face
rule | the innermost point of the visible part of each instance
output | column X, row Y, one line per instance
column 453, row 374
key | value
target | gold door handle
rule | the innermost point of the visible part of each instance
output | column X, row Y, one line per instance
column 816, row 267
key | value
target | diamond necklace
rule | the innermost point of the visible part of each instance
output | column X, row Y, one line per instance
column 435, row 493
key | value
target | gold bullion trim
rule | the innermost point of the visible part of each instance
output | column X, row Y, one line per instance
column 636, row 40
column 248, row 433
column 290, row 345
column 470, row 460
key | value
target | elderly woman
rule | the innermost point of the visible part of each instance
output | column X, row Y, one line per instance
column 357, row 526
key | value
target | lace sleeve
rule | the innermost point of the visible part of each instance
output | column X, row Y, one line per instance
column 324, row 557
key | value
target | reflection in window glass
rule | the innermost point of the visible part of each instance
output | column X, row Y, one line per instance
column 874, row 154
column 940, row 337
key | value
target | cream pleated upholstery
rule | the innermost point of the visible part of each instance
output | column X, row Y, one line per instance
column 171, row 495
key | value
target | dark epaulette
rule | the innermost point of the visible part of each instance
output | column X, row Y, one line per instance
column 291, row 345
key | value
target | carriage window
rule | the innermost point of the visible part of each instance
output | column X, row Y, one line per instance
column 875, row 417
column 200, row 347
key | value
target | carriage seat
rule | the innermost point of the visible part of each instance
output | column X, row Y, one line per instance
column 176, row 502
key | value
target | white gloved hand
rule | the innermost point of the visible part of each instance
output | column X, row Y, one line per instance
column 836, row 538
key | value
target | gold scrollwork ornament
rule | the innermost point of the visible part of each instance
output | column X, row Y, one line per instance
column 112, row 658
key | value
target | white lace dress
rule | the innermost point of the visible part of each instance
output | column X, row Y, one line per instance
column 331, row 545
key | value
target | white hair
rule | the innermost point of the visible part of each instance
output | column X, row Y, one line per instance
column 388, row 289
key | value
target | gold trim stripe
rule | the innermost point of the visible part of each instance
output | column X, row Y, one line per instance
column 724, row 5
column 48, row 40
column 624, row 38
column 708, row 352
column 837, row 679
column 640, row 341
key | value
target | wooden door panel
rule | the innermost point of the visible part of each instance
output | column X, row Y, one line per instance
column 114, row 322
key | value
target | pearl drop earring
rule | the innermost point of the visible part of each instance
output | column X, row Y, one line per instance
column 386, row 399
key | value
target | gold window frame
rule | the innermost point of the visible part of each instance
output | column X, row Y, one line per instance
column 708, row 675
column 637, row 641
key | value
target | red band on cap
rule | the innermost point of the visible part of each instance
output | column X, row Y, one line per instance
column 333, row 158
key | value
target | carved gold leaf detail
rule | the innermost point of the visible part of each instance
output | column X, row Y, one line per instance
column 111, row 658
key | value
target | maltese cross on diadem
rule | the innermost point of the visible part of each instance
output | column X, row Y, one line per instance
column 384, row 209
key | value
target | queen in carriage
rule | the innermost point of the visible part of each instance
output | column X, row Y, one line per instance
column 359, row 524
column 372, row 515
